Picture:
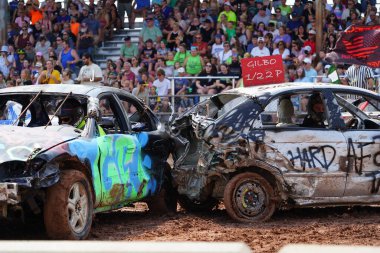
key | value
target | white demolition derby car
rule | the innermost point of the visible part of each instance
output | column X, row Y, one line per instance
column 262, row 148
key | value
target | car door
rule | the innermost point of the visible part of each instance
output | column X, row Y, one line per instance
column 363, row 144
column 155, row 142
column 315, row 154
column 120, row 155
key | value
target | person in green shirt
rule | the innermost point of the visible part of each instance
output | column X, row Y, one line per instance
column 285, row 9
column 150, row 31
column 181, row 55
column 128, row 50
column 170, row 60
column 194, row 62
column 230, row 31
column 231, row 16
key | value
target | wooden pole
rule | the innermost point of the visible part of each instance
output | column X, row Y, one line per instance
column 4, row 19
column 319, row 20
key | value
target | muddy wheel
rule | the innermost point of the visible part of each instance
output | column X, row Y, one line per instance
column 197, row 206
column 248, row 197
column 166, row 200
column 69, row 207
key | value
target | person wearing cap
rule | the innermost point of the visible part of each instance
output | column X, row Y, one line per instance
column 128, row 50
column 194, row 62
column 261, row 49
column 50, row 75
column 310, row 73
column 4, row 63
column 217, row 47
column 325, row 77
column 150, row 31
column 39, row 58
column 205, row 16
column 311, row 41
column 261, row 17
column 85, row 41
column 231, row 16
column 90, row 73
column 148, row 55
column 19, row 60
column 182, row 87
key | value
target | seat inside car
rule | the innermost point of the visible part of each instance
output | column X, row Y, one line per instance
column 285, row 112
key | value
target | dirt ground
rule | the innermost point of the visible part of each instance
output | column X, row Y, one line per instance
column 342, row 225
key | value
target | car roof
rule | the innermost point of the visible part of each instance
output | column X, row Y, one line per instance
column 86, row 90
column 275, row 89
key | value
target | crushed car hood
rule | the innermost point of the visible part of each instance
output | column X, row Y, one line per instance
column 23, row 143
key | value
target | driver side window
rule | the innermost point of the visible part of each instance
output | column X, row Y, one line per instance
column 110, row 119
column 295, row 110
column 137, row 116
column 357, row 111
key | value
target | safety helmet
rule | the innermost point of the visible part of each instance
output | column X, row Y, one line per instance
column 71, row 112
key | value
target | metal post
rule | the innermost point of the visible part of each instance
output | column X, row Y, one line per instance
column 233, row 83
column 173, row 92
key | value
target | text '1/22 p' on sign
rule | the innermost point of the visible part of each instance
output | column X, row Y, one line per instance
column 262, row 70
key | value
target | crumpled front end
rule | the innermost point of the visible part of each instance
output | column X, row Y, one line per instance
column 214, row 149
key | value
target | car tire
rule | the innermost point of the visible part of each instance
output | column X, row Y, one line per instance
column 68, row 209
column 197, row 206
column 248, row 197
column 166, row 200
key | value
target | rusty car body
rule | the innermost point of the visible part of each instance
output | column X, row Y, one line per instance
column 114, row 156
column 232, row 148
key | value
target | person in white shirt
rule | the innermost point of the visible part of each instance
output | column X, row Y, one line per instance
column 260, row 50
column 225, row 54
column 162, row 84
column 90, row 73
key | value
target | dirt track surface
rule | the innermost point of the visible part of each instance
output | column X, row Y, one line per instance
column 355, row 226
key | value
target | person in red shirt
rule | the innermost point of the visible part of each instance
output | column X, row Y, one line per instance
column 311, row 41
column 200, row 44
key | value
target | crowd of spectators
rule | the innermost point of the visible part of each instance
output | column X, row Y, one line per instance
column 180, row 38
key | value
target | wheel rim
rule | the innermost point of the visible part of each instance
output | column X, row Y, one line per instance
column 78, row 207
column 250, row 199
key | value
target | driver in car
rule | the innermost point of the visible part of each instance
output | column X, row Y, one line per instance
column 316, row 112
column 71, row 113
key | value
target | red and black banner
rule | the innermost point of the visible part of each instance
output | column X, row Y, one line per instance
column 358, row 44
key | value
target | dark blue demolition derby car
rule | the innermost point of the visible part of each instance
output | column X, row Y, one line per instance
column 70, row 151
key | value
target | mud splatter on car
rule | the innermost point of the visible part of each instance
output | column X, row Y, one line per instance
column 71, row 151
column 278, row 146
